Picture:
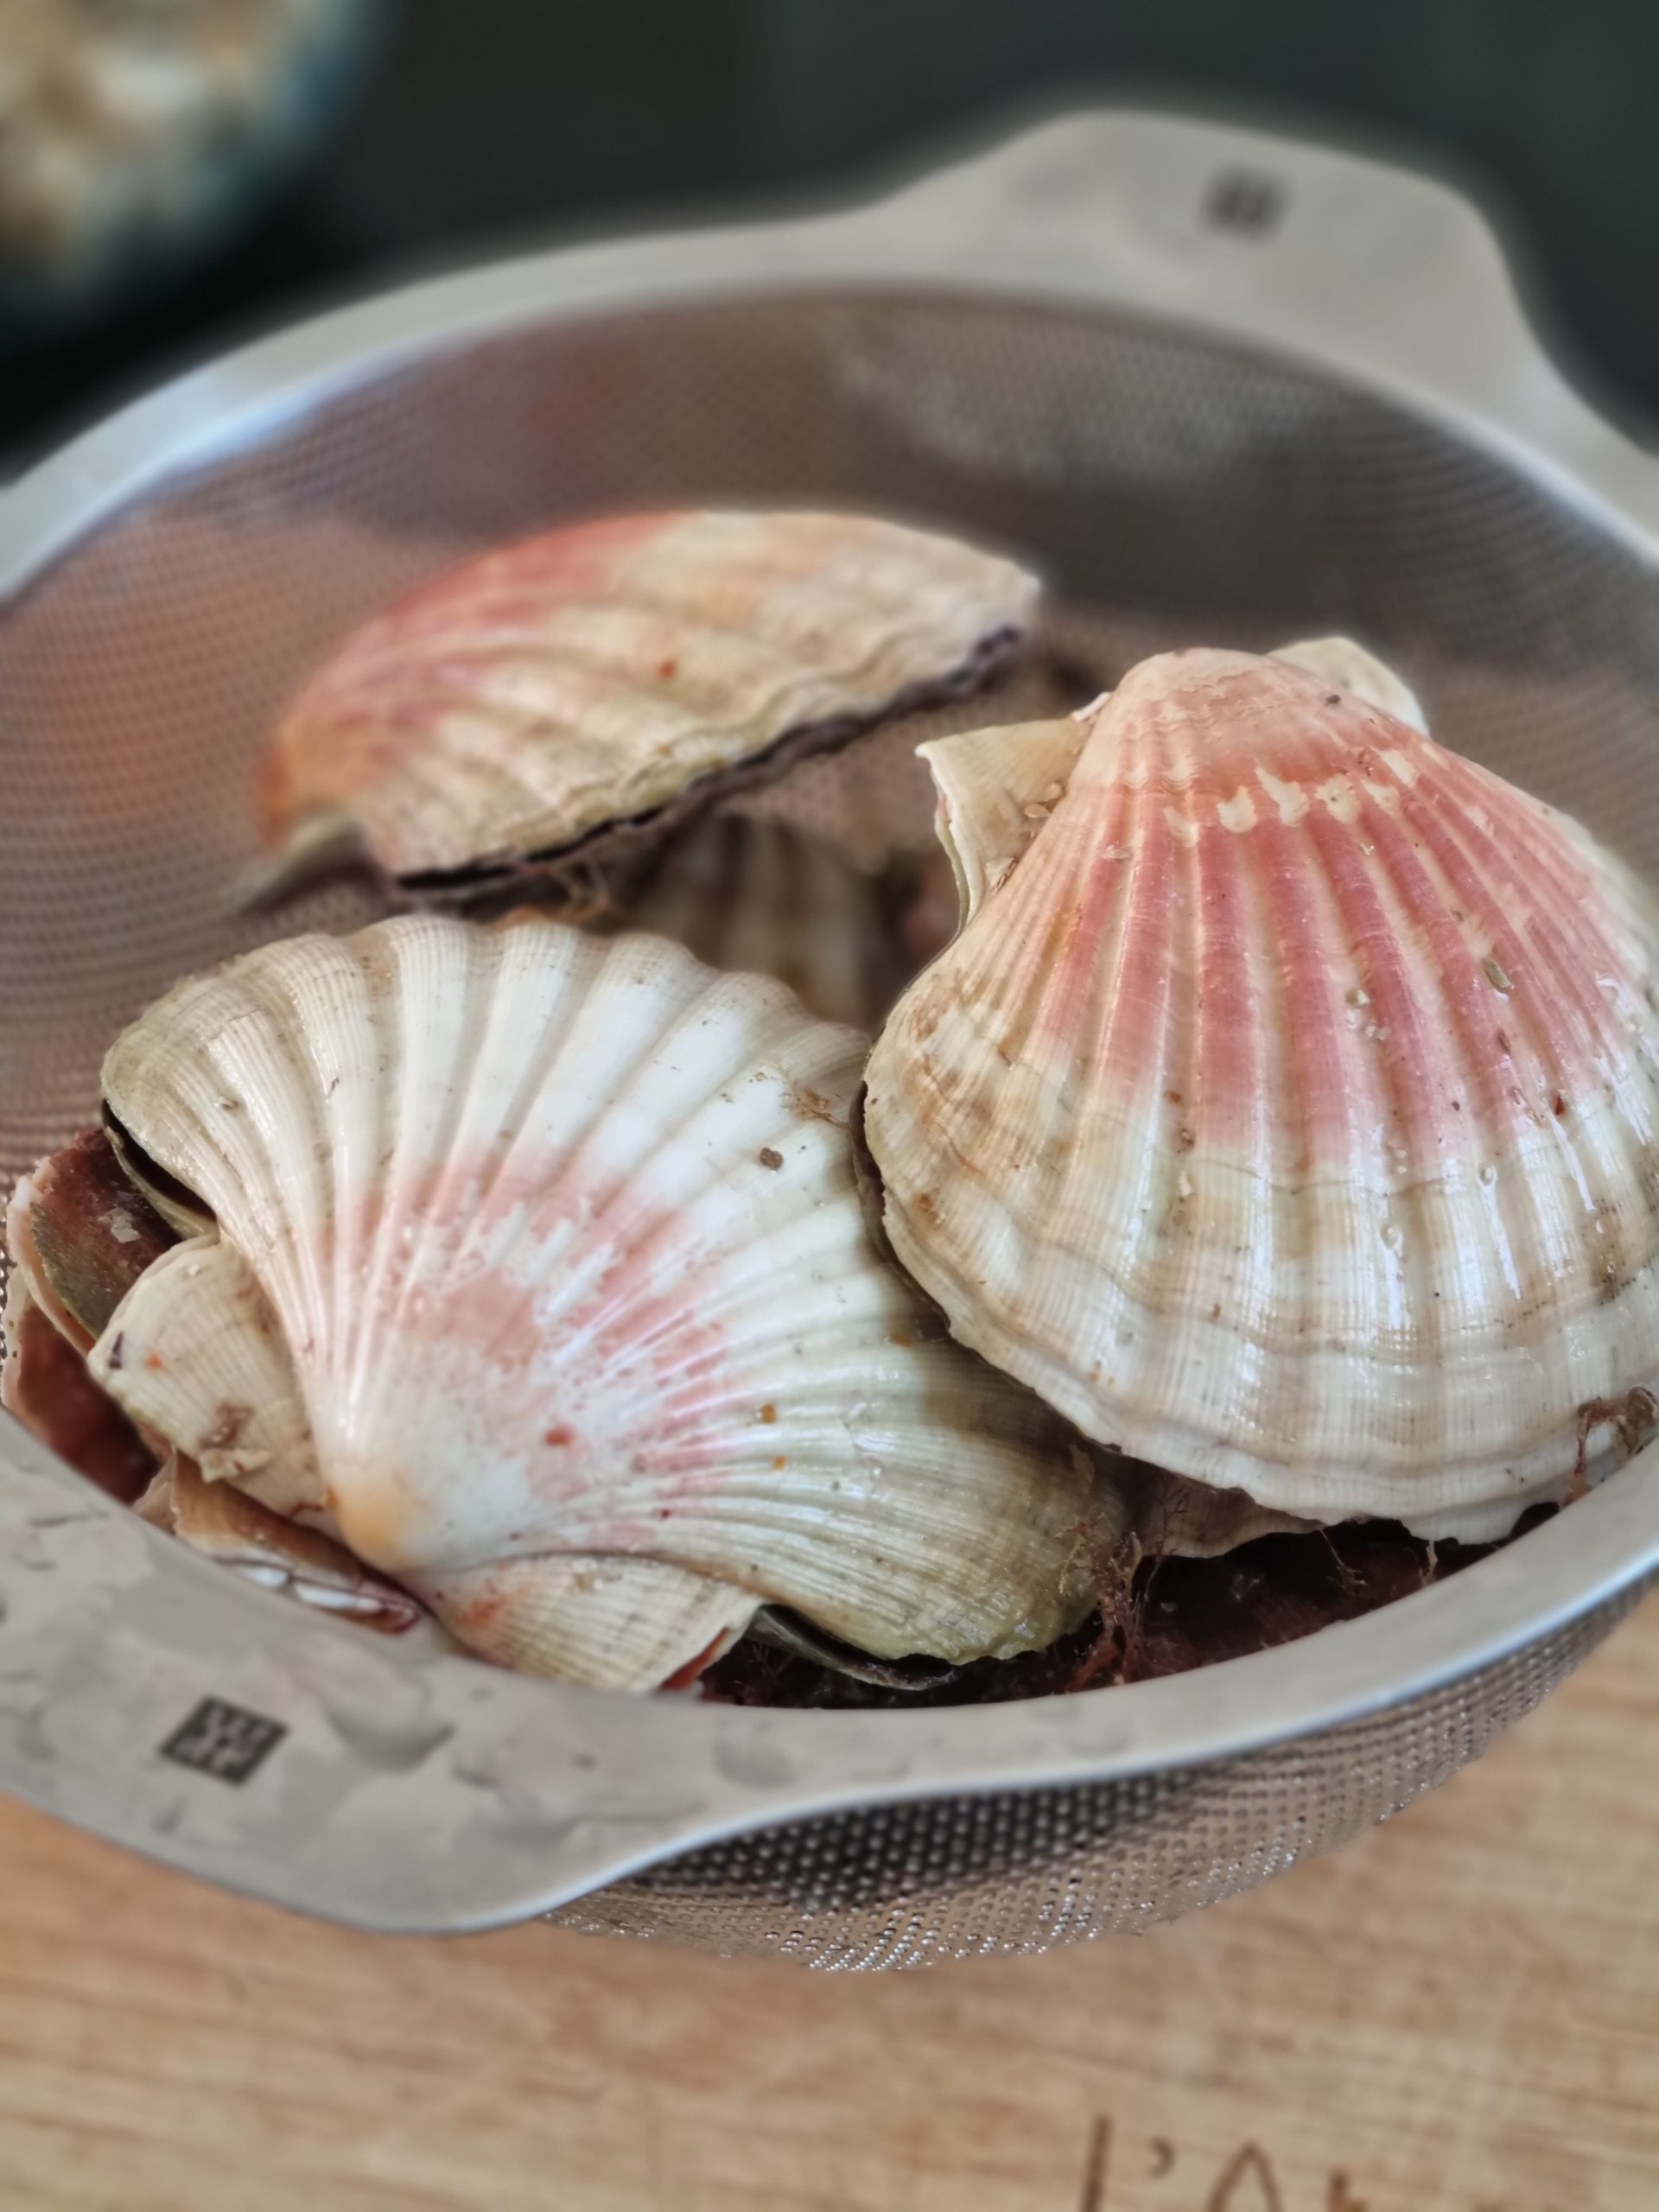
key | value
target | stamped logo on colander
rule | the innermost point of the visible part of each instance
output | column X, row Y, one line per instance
column 225, row 1740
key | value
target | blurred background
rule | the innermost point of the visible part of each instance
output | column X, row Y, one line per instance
column 177, row 175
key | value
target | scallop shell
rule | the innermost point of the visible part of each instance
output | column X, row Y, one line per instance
column 995, row 788
column 44, row 1385
column 1348, row 667
column 555, row 694
column 81, row 1240
column 78, row 1235
column 228, row 1527
column 1288, row 1114
column 562, row 1240
column 758, row 894
column 195, row 1357
column 873, row 798
column 612, row 1623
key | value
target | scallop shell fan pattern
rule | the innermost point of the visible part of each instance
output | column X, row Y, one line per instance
column 581, row 681
column 562, row 1238
column 1288, row 1114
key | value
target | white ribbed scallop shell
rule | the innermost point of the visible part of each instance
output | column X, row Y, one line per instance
column 195, row 1356
column 751, row 893
column 553, row 689
column 562, row 1239
column 1289, row 1112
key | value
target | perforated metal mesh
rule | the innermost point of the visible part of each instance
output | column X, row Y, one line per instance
column 1172, row 491
column 910, row 1884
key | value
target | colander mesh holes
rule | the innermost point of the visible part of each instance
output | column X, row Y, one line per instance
column 911, row 1884
column 1174, row 491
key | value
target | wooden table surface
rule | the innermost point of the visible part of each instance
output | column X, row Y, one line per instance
column 1460, row 2012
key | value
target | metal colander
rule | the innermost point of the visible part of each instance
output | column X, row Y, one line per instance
column 1217, row 388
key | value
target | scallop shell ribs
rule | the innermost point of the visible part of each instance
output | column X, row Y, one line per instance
column 561, row 1239
column 580, row 691
column 1287, row 1112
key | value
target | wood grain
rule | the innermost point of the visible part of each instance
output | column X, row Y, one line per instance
column 1458, row 2014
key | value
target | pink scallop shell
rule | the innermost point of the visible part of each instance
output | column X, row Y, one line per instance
column 567, row 687
column 1289, row 1112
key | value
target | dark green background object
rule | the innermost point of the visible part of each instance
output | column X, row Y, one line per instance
column 496, row 121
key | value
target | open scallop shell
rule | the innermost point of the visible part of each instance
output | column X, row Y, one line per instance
column 1287, row 1112
column 580, row 689
column 561, row 1238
